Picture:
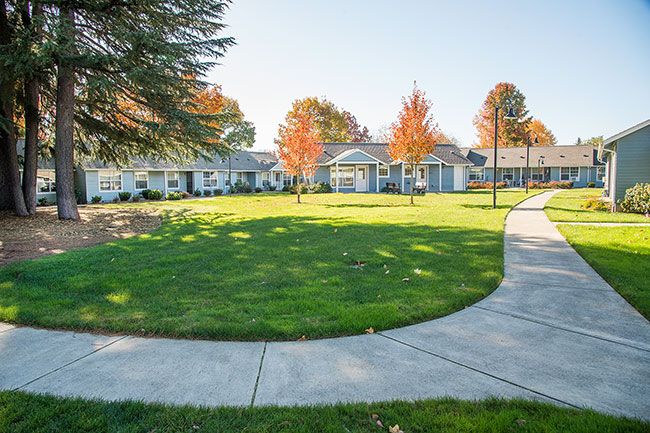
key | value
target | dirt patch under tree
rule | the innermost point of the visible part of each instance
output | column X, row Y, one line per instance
column 44, row 233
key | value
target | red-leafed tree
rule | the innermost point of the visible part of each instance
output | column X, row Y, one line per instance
column 413, row 136
column 299, row 147
column 512, row 133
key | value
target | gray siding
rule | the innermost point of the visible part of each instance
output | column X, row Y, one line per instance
column 358, row 157
column 447, row 178
column 632, row 161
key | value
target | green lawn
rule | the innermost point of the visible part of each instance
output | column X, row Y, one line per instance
column 621, row 255
column 260, row 267
column 565, row 206
column 20, row 412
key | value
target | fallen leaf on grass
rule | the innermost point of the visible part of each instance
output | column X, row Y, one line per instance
column 303, row 338
column 520, row 422
column 345, row 254
column 406, row 280
column 417, row 271
column 395, row 429
column 370, row 330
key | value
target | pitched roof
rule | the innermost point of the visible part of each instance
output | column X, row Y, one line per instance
column 553, row 156
column 628, row 131
column 43, row 163
column 448, row 153
column 240, row 161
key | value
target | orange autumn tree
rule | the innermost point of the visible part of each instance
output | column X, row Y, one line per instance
column 538, row 129
column 299, row 147
column 413, row 136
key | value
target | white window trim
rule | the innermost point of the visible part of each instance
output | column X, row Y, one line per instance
column 99, row 180
column 603, row 175
column 480, row 170
column 570, row 178
column 334, row 181
column 49, row 182
column 135, row 180
column 387, row 168
column 215, row 178
column 178, row 180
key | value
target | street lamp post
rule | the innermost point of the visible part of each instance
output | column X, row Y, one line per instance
column 540, row 162
column 509, row 115
column 535, row 141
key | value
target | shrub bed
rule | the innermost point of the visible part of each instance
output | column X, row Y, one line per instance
column 637, row 199
column 314, row 188
column 595, row 203
column 174, row 195
column 124, row 195
column 484, row 185
column 554, row 184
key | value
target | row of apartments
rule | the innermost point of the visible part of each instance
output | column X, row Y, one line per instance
column 348, row 167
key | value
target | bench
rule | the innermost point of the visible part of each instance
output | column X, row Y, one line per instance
column 392, row 187
column 420, row 187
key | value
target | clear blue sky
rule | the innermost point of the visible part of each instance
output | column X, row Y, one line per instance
column 584, row 66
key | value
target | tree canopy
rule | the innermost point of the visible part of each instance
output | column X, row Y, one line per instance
column 413, row 135
column 537, row 128
column 333, row 124
column 512, row 133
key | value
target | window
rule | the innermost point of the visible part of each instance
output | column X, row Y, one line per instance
column 210, row 179
column 600, row 173
column 110, row 180
column 141, row 179
column 383, row 170
column 569, row 173
column 507, row 173
column 537, row 174
column 407, row 170
column 239, row 177
column 266, row 178
column 172, row 179
column 476, row 174
column 287, row 179
column 345, row 177
column 278, row 176
column 45, row 181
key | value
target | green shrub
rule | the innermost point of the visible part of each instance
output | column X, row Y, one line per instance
column 136, row 198
column 320, row 188
column 272, row 187
column 594, row 203
column 116, row 199
column 258, row 189
column 155, row 194
column 591, row 184
column 293, row 189
column 145, row 193
column 124, row 195
column 207, row 193
column 285, row 188
column 218, row 191
column 637, row 199
column 197, row 193
column 96, row 199
column 42, row 201
column 174, row 195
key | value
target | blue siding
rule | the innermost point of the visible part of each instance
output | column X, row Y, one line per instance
column 357, row 157
column 434, row 178
column 447, row 178
column 632, row 161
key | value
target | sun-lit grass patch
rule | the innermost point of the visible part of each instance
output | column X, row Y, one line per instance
column 25, row 413
column 566, row 206
column 335, row 265
column 621, row 255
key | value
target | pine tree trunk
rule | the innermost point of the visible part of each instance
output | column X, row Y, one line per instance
column 32, row 115
column 13, row 194
column 31, row 144
column 412, row 181
column 66, row 202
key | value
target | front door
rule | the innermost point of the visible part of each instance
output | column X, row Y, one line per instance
column 361, row 179
column 459, row 178
column 422, row 175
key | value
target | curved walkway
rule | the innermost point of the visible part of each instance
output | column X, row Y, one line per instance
column 553, row 330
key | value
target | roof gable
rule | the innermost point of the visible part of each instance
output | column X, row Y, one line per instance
column 628, row 131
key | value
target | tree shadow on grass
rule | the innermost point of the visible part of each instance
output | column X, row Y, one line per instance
column 269, row 278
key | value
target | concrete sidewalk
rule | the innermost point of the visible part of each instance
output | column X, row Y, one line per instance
column 553, row 331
